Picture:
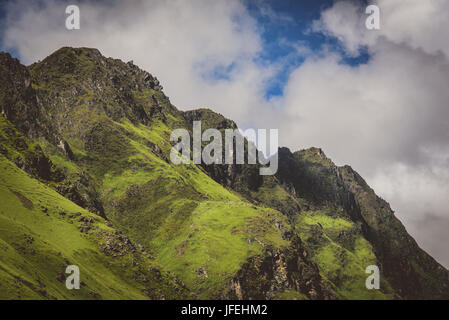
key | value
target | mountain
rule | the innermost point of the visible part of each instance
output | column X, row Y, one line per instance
column 86, row 180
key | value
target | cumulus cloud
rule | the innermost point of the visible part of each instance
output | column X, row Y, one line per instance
column 418, row 24
column 392, row 109
column 388, row 118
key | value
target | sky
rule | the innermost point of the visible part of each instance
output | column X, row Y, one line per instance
column 374, row 99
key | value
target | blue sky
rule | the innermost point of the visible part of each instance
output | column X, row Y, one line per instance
column 292, row 27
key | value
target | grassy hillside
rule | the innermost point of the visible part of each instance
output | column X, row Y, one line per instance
column 40, row 235
column 338, row 247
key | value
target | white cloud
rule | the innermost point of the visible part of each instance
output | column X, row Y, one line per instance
column 416, row 23
column 387, row 110
column 420, row 195
column 344, row 21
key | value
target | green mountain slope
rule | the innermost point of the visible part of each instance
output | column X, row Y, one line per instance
column 89, row 134
column 42, row 233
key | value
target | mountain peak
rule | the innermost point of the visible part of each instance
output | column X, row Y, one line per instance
column 76, row 51
column 75, row 81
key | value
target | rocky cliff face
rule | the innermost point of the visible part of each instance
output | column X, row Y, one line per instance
column 96, row 130
column 281, row 271
column 408, row 269
column 18, row 99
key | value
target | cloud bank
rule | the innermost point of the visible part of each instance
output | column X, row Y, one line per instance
column 388, row 118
